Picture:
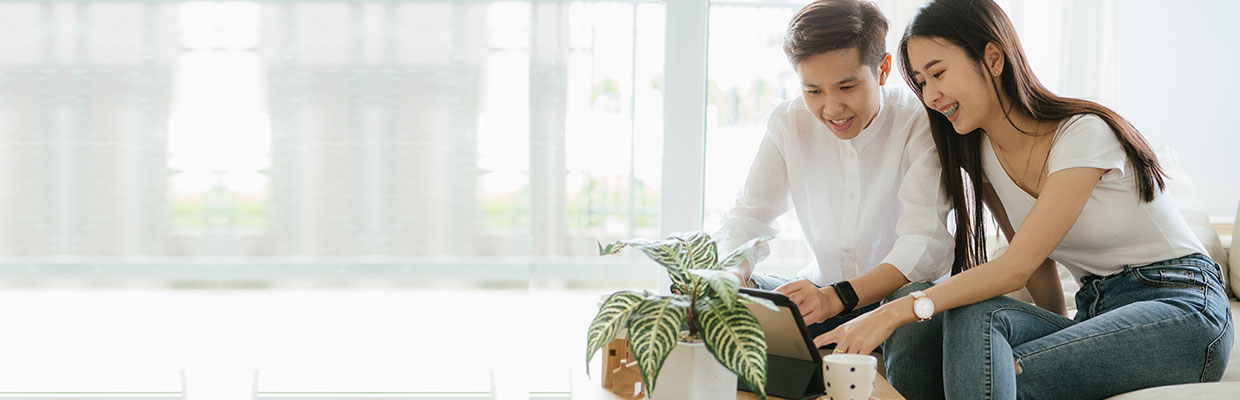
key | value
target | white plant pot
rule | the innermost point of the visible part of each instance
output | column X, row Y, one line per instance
column 692, row 373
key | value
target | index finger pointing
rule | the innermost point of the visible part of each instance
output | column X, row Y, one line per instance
column 826, row 338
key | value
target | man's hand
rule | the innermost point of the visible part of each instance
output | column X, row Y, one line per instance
column 816, row 304
column 742, row 273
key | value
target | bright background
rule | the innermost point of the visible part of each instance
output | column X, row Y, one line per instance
column 406, row 195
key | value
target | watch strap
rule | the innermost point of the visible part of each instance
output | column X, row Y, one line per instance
column 847, row 295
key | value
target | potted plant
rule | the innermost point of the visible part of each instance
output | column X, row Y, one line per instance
column 705, row 310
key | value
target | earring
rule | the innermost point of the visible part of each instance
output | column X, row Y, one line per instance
column 996, row 72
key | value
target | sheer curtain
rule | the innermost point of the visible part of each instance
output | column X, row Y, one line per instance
column 406, row 133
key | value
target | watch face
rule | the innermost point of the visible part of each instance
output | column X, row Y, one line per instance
column 923, row 307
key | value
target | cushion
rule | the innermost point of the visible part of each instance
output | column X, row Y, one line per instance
column 1234, row 259
column 1214, row 390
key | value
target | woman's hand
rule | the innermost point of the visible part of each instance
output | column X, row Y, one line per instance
column 866, row 332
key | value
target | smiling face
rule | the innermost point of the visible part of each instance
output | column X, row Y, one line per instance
column 841, row 91
column 953, row 83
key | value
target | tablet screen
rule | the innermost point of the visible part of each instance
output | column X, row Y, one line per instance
column 785, row 334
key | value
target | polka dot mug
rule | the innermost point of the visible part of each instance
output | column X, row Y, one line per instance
column 849, row 376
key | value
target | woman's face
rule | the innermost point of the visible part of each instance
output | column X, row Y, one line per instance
column 952, row 83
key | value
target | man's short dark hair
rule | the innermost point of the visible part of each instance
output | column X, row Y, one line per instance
column 827, row 25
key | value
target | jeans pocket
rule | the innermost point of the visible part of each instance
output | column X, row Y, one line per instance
column 1184, row 282
column 1171, row 276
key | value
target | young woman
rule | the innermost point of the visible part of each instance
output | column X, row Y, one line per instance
column 1071, row 181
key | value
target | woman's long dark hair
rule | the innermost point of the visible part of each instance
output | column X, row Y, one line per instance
column 971, row 24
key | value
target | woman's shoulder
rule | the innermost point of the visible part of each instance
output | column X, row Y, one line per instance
column 1086, row 140
column 1085, row 129
column 1084, row 123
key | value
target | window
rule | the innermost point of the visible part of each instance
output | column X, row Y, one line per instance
column 424, row 132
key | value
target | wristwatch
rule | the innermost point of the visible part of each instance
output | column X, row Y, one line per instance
column 923, row 307
column 847, row 295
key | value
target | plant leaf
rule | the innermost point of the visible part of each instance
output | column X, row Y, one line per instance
column 703, row 253
column 612, row 248
column 653, row 331
column 744, row 298
column 611, row 315
column 734, row 336
column 668, row 253
column 723, row 284
column 737, row 256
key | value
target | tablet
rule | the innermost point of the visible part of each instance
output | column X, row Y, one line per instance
column 793, row 367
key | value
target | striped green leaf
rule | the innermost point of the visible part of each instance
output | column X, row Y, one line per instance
column 734, row 336
column 653, row 332
column 722, row 285
column 737, row 256
column 611, row 316
column 612, row 248
column 703, row 253
column 669, row 253
column 747, row 299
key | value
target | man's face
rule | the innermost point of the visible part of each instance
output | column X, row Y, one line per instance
column 842, row 92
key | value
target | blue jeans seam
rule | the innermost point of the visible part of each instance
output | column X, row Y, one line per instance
column 1014, row 354
column 990, row 327
column 1210, row 349
column 990, row 356
column 1102, row 334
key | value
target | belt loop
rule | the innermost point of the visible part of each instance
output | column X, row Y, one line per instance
column 1093, row 308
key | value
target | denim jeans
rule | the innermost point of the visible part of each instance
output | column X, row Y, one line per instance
column 913, row 353
column 904, row 353
column 1151, row 325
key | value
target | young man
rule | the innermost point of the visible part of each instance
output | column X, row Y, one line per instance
column 854, row 158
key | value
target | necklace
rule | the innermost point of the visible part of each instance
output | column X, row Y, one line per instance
column 1028, row 157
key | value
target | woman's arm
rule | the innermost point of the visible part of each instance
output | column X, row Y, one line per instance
column 1046, row 290
column 1044, row 286
column 1062, row 199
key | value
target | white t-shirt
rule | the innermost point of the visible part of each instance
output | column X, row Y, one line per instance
column 1115, row 228
column 873, row 199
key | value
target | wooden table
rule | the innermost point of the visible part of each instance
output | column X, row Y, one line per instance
column 883, row 391
column 594, row 391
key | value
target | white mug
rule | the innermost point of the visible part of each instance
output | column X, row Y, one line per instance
column 849, row 376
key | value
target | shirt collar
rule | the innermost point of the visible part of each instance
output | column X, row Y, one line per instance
column 867, row 135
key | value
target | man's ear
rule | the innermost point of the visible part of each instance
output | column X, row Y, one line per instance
column 884, row 69
column 993, row 58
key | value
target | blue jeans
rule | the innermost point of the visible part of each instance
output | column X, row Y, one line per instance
column 913, row 352
column 1151, row 325
column 904, row 352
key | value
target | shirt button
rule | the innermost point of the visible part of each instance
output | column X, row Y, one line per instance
column 852, row 195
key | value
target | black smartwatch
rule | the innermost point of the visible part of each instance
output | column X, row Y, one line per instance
column 847, row 295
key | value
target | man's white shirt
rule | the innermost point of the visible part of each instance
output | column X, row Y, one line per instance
column 873, row 199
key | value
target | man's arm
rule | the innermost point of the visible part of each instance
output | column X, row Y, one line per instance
column 922, row 251
column 762, row 199
column 817, row 304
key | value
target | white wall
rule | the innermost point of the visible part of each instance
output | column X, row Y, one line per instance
column 1176, row 81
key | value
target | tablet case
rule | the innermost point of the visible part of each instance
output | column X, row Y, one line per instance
column 793, row 367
